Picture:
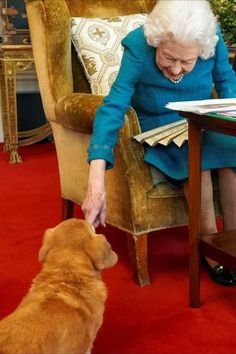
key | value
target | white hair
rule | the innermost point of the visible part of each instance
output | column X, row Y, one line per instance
column 190, row 22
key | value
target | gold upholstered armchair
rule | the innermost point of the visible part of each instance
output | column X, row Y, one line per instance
column 133, row 204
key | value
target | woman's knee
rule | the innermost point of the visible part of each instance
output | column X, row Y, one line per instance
column 227, row 173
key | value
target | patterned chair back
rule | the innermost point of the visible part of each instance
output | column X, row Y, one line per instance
column 101, row 9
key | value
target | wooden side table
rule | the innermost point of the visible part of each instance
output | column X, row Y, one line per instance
column 13, row 59
column 221, row 246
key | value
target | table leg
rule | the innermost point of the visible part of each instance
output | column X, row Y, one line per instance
column 4, row 109
column 194, row 212
column 10, row 109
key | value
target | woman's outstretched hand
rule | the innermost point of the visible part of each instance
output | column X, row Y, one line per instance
column 94, row 204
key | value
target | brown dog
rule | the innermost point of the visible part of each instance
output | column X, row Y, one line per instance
column 64, row 307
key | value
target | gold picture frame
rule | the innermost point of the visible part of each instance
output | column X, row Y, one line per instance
column 14, row 25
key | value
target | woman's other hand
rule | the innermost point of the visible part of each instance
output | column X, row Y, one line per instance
column 94, row 204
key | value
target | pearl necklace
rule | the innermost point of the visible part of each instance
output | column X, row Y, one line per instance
column 177, row 80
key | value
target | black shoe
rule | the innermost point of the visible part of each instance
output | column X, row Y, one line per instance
column 221, row 274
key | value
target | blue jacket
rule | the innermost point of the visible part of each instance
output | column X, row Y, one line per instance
column 142, row 85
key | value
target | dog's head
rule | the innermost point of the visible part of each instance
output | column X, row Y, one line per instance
column 79, row 233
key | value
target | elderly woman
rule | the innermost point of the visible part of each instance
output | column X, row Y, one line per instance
column 179, row 54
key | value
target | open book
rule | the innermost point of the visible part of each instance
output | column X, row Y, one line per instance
column 176, row 132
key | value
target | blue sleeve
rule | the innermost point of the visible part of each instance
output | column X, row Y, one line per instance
column 223, row 75
column 109, row 117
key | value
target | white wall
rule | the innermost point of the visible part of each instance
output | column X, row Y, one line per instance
column 26, row 81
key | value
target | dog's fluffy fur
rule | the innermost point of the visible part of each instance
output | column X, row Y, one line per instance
column 64, row 307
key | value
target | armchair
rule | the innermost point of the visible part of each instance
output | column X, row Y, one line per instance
column 133, row 204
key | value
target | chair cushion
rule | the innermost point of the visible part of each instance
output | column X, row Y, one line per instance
column 98, row 45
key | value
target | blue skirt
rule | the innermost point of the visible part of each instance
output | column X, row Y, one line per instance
column 218, row 151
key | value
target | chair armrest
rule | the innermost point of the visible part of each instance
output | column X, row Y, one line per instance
column 76, row 111
column 132, row 152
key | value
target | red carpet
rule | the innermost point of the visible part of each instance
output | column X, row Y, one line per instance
column 155, row 319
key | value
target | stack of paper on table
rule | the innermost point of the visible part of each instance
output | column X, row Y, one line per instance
column 224, row 106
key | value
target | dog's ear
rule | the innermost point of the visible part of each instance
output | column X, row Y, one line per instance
column 100, row 252
column 46, row 244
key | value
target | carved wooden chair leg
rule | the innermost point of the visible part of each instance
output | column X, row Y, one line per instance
column 137, row 246
column 67, row 209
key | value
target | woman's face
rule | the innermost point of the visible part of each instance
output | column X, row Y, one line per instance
column 175, row 59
